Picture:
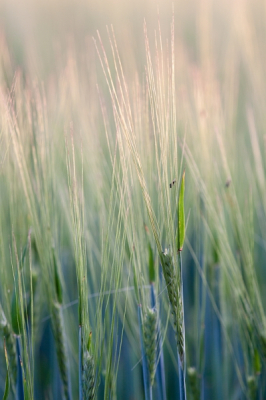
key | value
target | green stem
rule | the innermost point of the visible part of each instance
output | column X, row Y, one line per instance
column 80, row 364
column 147, row 385
column 20, row 390
column 182, row 365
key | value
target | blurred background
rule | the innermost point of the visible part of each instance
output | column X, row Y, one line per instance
column 37, row 34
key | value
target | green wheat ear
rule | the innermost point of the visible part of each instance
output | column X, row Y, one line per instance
column 150, row 340
column 88, row 377
column 58, row 330
column 173, row 288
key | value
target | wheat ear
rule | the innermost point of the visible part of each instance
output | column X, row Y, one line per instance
column 58, row 330
column 150, row 340
column 88, row 377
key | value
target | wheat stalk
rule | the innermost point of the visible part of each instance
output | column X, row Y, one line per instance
column 150, row 340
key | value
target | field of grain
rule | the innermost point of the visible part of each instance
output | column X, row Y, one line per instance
column 133, row 199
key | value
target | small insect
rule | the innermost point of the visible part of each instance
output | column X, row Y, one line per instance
column 227, row 184
column 172, row 183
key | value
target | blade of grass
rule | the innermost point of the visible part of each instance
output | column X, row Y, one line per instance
column 7, row 383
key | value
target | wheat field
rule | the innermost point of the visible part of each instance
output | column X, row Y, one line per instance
column 132, row 199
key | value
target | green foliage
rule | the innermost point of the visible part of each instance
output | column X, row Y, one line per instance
column 7, row 387
column 256, row 362
column 16, row 317
column 57, row 279
column 181, row 215
column 151, row 265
